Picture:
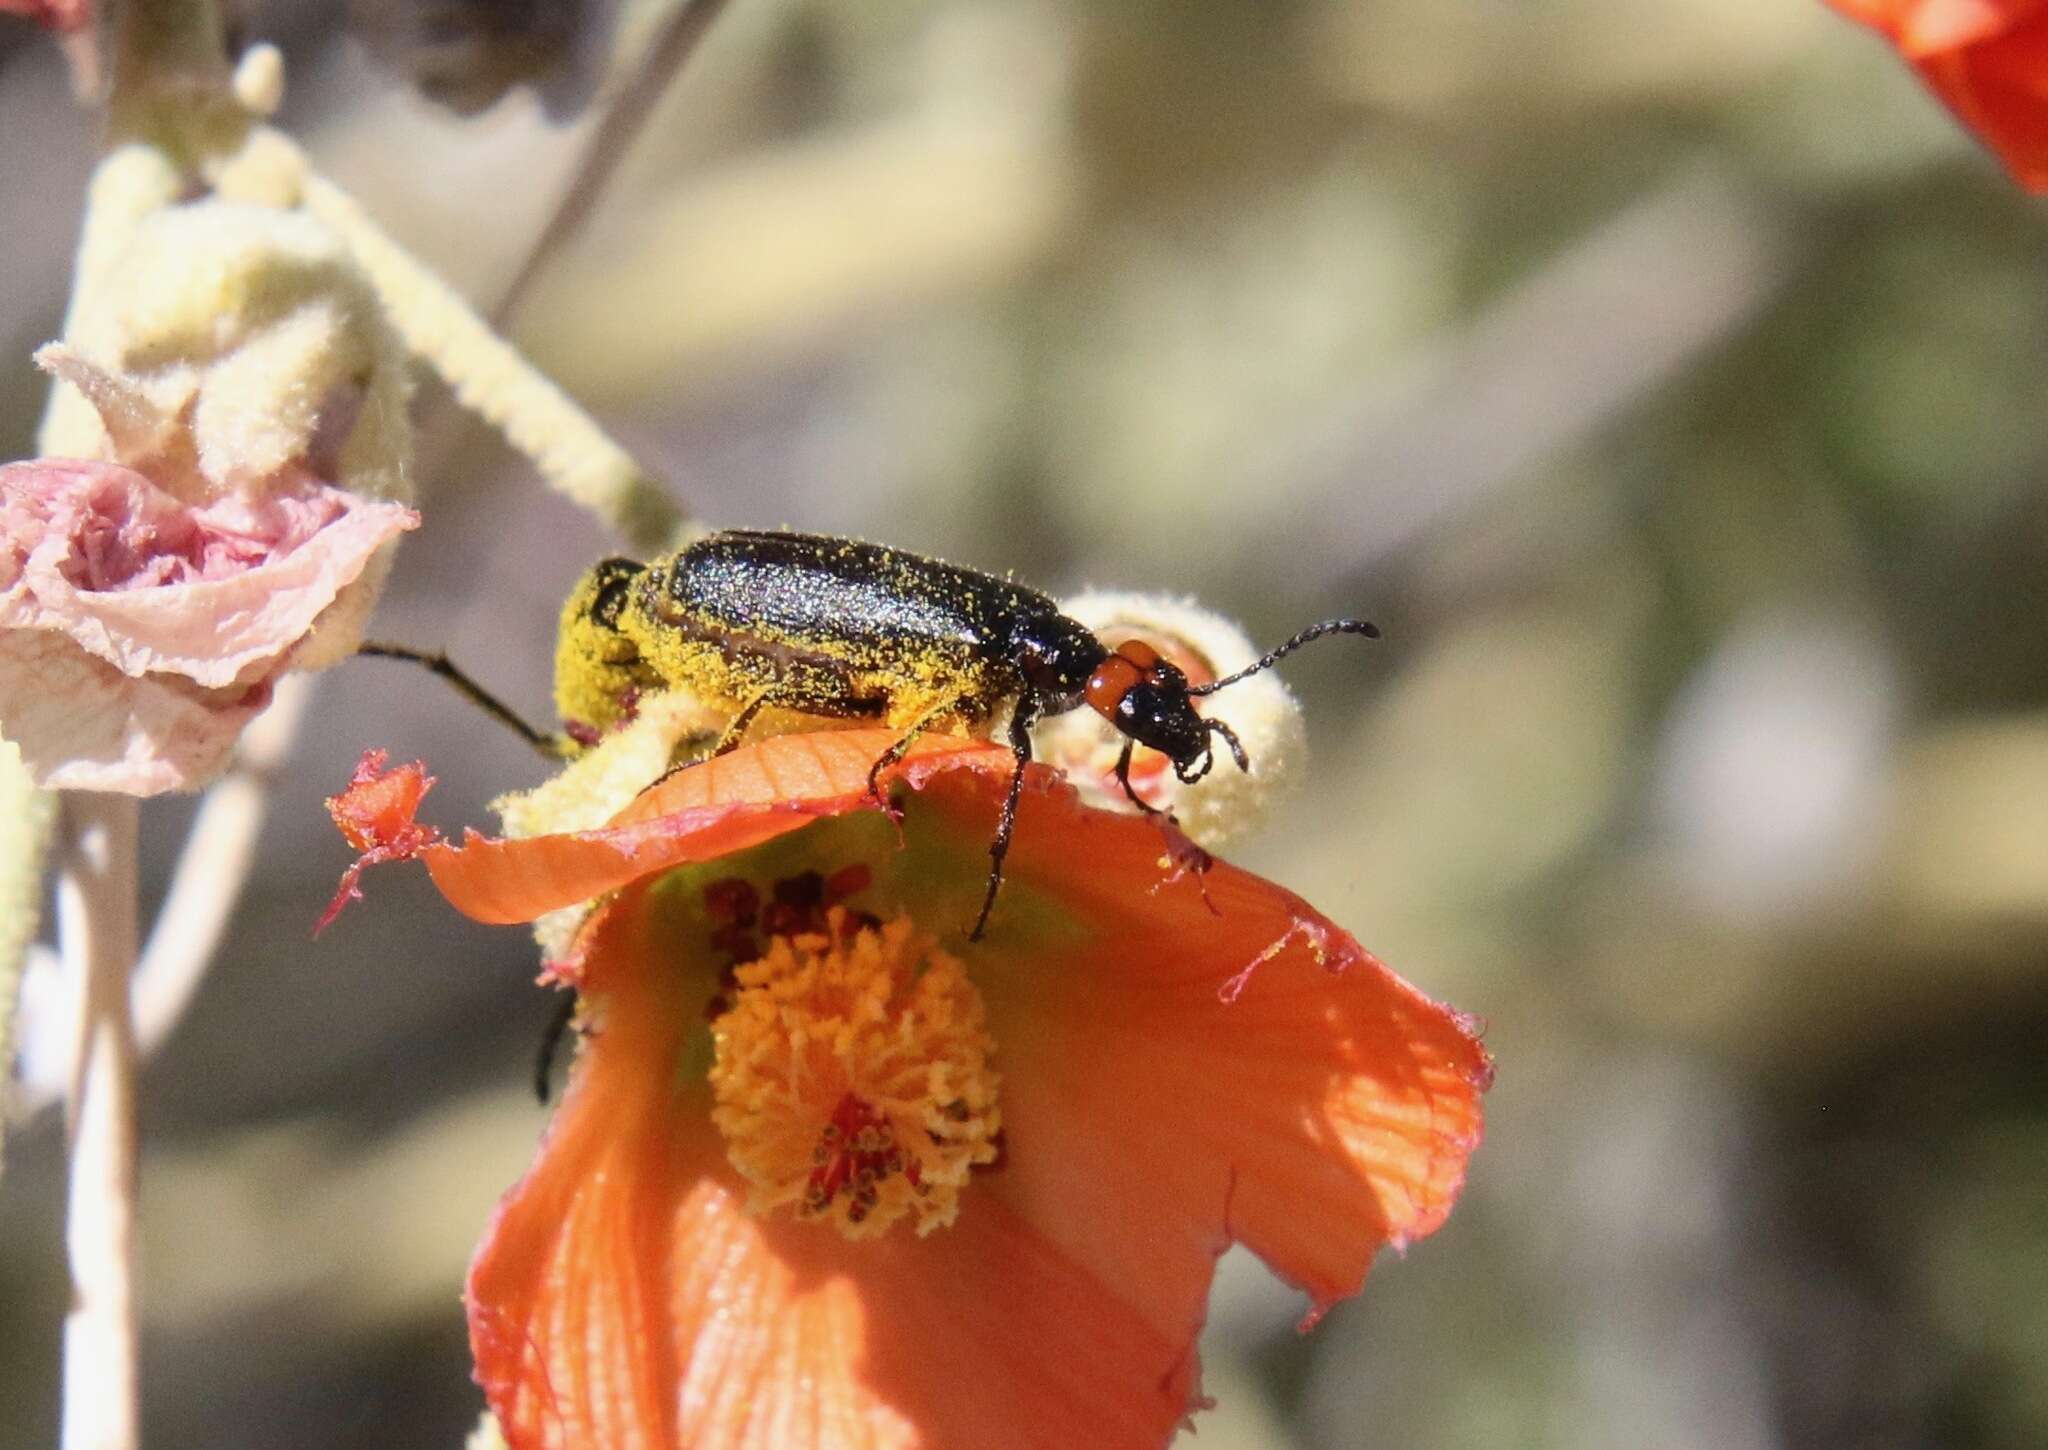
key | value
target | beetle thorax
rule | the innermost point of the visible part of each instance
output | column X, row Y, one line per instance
column 1054, row 656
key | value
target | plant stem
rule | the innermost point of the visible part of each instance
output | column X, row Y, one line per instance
column 96, row 929
column 213, row 867
column 612, row 138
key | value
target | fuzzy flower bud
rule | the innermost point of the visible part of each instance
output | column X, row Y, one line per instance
column 1226, row 803
column 231, row 473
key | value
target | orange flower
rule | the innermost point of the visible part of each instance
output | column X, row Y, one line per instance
column 829, row 1174
column 1986, row 59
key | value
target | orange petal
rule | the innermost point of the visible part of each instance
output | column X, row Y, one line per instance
column 1921, row 28
column 1190, row 1058
column 1324, row 1111
column 1934, row 26
column 1880, row 15
column 711, row 809
column 2000, row 91
column 623, row 1299
column 1988, row 62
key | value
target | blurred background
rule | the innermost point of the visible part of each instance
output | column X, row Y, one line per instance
column 1666, row 379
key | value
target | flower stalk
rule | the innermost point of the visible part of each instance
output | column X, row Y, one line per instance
column 96, row 926
column 166, row 52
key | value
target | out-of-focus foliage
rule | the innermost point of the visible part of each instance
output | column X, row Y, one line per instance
column 1666, row 380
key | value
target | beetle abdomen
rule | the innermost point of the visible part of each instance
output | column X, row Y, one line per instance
column 805, row 588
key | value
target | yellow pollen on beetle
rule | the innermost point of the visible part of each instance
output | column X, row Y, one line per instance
column 852, row 1079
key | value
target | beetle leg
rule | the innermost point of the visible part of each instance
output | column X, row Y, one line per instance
column 1020, row 745
column 1123, row 778
column 902, row 747
column 738, row 728
column 550, row 1044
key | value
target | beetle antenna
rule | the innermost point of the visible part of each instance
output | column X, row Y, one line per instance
column 1217, row 727
column 438, row 663
column 1272, row 657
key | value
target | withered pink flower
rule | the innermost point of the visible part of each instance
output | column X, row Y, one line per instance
column 140, row 633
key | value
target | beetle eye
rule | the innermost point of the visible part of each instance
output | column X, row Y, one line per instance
column 615, row 578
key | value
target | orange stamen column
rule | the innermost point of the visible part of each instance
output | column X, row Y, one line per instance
column 852, row 1078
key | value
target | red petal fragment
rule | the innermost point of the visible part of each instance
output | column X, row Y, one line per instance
column 375, row 815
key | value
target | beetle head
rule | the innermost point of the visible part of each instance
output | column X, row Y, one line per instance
column 1146, row 696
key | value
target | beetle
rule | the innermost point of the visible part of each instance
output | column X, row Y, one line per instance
column 837, row 627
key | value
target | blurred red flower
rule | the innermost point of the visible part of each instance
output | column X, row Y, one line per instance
column 64, row 15
column 1986, row 59
column 787, row 1199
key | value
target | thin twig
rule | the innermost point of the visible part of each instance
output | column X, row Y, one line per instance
column 660, row 60
column 490, row 378
column 663, row 59
column 213, row 867
column 96, row 926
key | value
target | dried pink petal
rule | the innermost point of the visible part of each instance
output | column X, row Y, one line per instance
column 146, row 583
column 83, row 725
column 138, row 633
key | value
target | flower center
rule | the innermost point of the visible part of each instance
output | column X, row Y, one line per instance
column 852, row 1078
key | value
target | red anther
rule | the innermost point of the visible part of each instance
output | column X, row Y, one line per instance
column 376, row 811
column 847, row 881
column 856, row 1150
column 738, row 943
column 1188, row 860
column 375, row 815
column 806, row 888
column 732, row 901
